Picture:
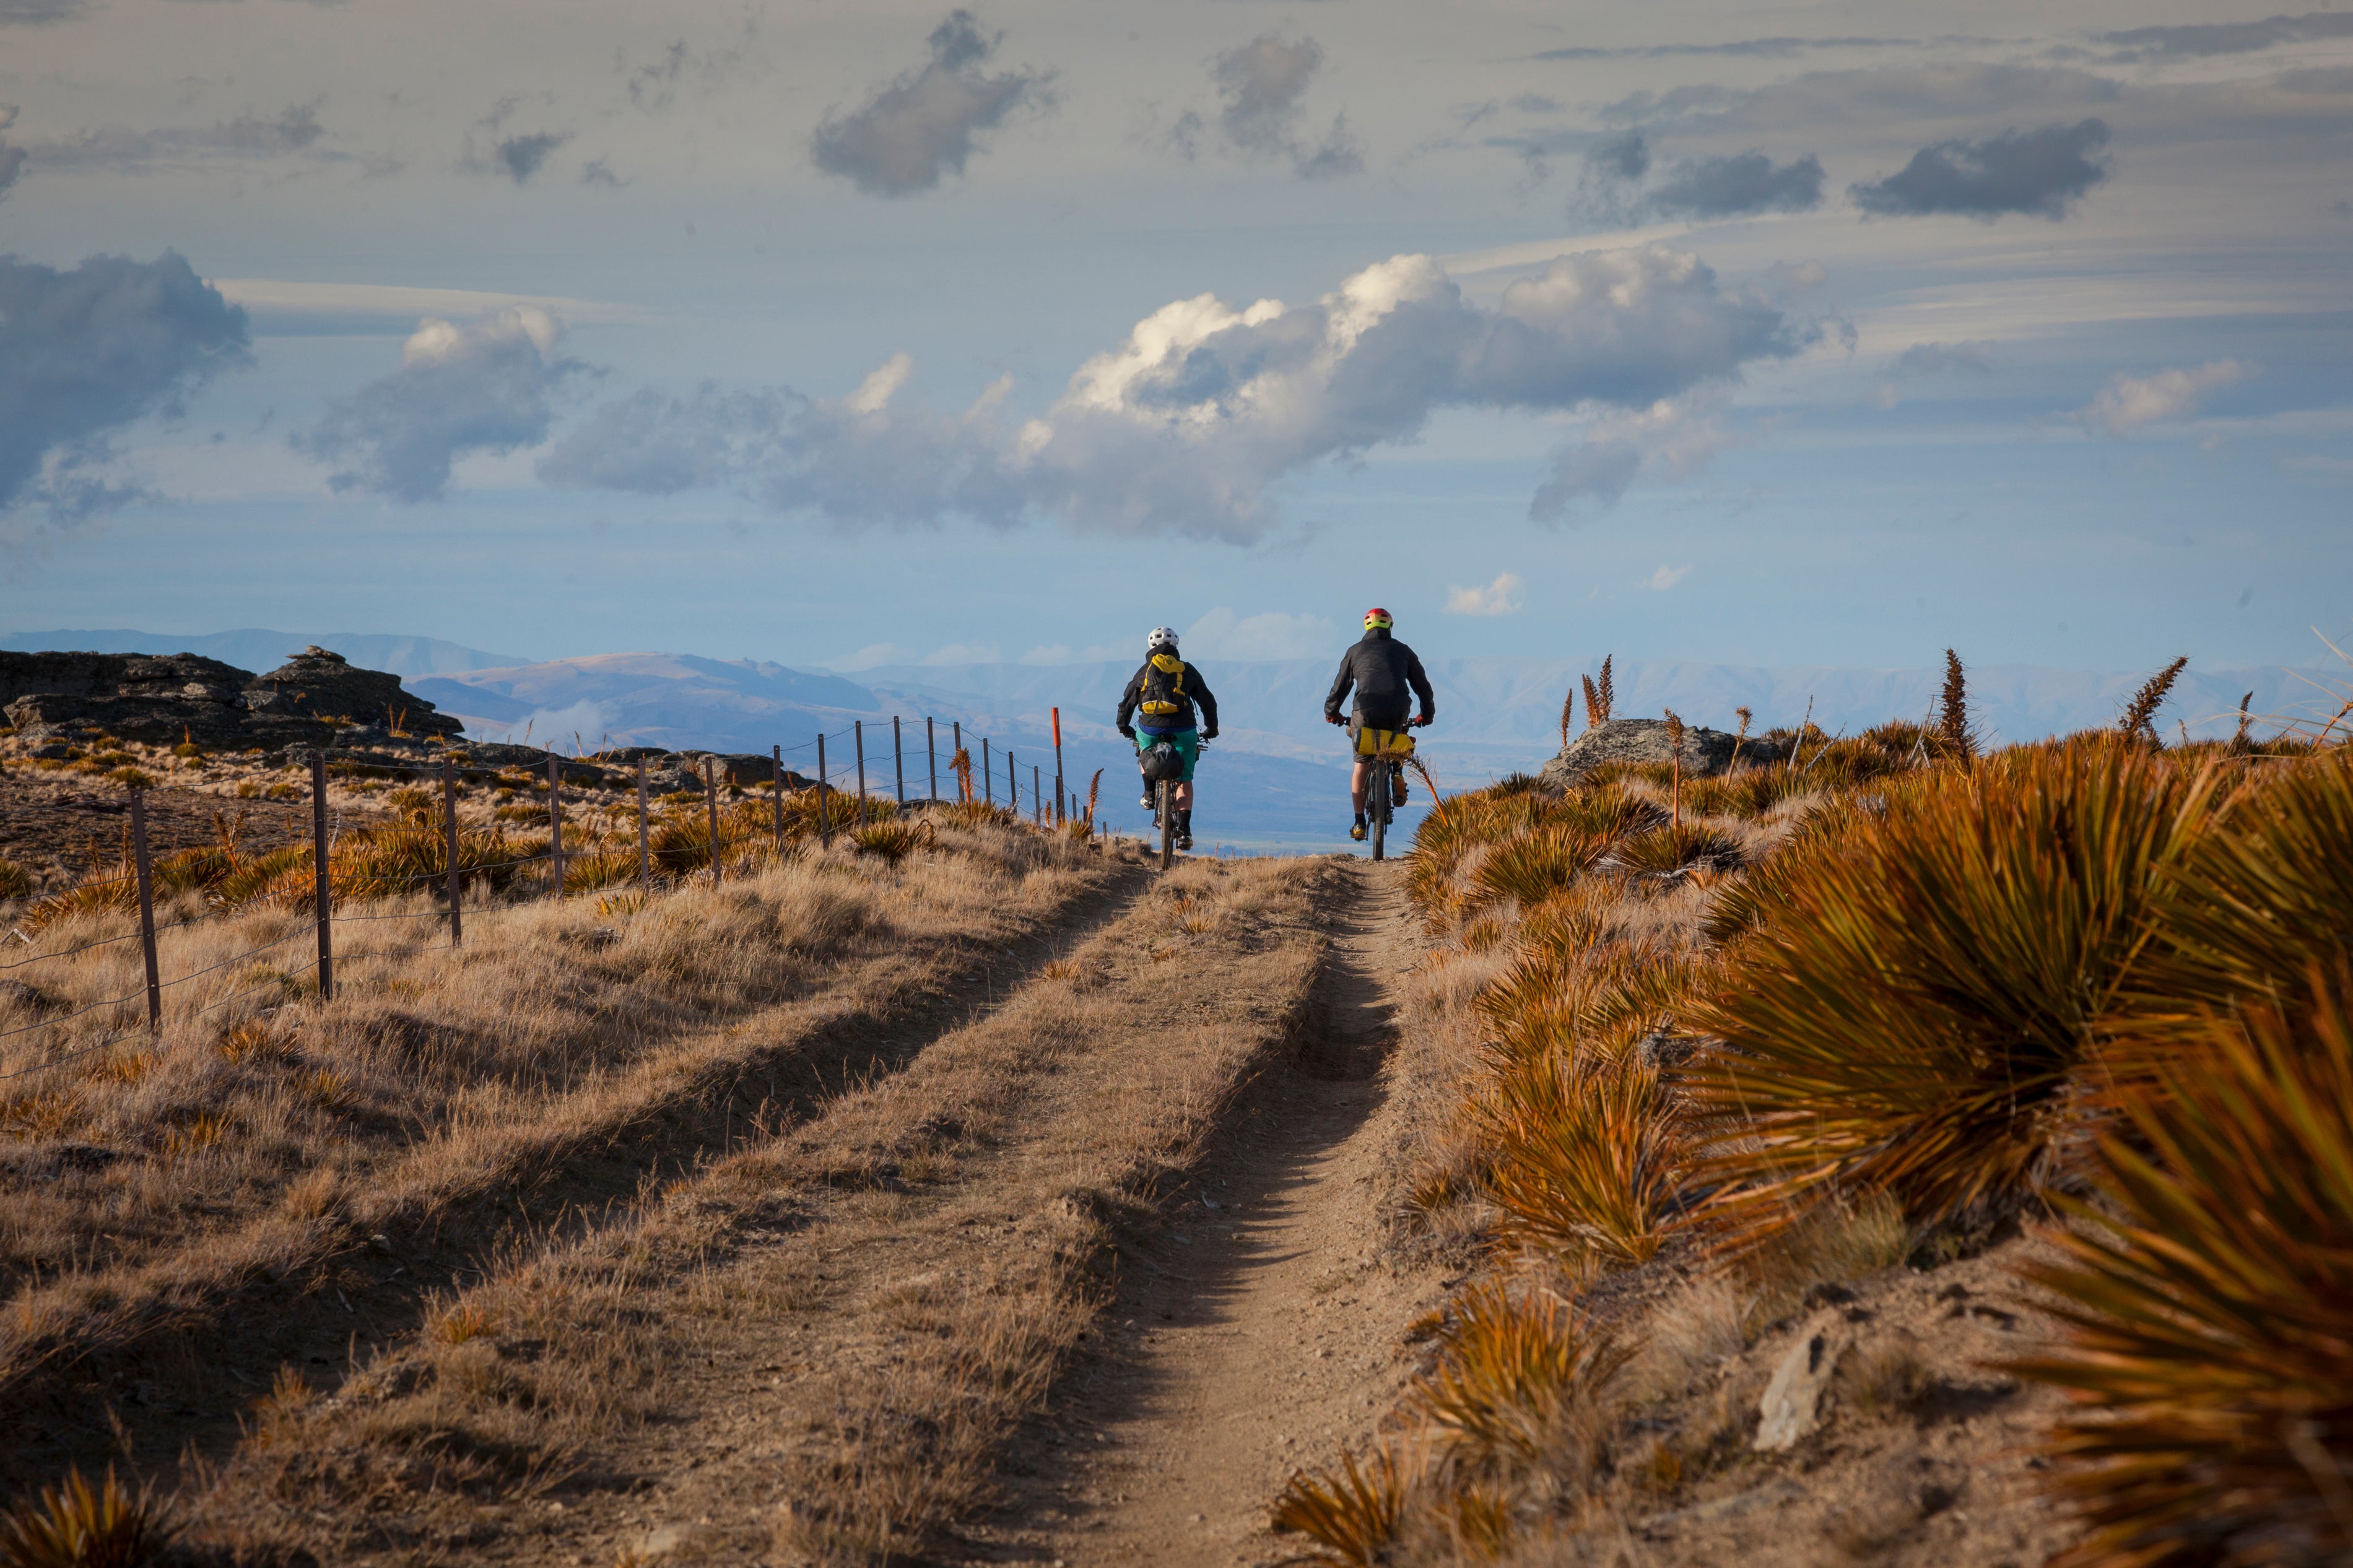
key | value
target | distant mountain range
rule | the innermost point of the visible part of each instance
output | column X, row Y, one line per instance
column 1271, row 781
column 260, row 652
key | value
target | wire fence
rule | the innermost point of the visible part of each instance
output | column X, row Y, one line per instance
column 845, row 800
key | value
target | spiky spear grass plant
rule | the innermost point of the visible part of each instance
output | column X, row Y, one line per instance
column 1953, row 706
column 2140, row 713
column 892, row 841
column 1351, row 1515
column 1597, row 696
column 1587, row 1161
column 2209, row 1316
column 1674, row 846
column 1914, row 1017
column 1675, row 784
column 77, row 1525
column 1520, row 1381
column 2256, row 902
column 1539, row 864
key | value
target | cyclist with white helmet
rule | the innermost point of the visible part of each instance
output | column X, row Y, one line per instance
column 1158, row 706
column 1386, row 678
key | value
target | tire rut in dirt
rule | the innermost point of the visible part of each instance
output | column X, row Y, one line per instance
column 1161, row 1443
column 184, row 1376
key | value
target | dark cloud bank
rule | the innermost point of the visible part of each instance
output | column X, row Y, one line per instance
column 2043, row 172
column 87, row 351
column 1709, row 187
column 926, row 124
column 1262, row 89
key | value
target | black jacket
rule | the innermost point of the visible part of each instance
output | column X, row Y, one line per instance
column 1195, row 690
column 1386, row 678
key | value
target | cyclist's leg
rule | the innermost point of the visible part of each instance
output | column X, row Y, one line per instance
column 1189, row 747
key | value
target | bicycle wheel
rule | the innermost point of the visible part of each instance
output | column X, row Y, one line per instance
column 1381, row 790
column 1167, row 824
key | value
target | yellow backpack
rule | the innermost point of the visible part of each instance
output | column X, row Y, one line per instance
column 1164, row 686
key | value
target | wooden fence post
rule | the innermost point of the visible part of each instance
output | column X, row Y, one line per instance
column 858, row 735
column 776, row 783
column 1037, row 796
column 1057, row 764
column 710, row 800
column 645, row 856
column 932, row 756
column 449, row 824
column 987, row 774
column 147, row 911
column 1012, row 785
column 325, row 906
column 824, row 823
column 555, row 822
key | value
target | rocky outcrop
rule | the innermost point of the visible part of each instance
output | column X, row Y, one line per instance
column 163, row 697
column 316, row 684
column 1644, row 740
column 138, row 697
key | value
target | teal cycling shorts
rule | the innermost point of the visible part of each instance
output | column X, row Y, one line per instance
column 1186, row 741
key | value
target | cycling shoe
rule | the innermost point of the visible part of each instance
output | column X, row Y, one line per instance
column 1356, row 831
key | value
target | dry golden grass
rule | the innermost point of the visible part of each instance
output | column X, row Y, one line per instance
column 149, row 1188
column 894, row 1279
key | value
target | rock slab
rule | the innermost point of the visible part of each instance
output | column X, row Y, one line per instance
column 162, row 698
column 1791, row 1407
column 1644, row 740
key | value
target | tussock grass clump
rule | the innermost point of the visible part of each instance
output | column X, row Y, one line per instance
column 1588, row 1164
column 77, row 1525
column 892, row 841
column 1914, row 1019
column 1353, row 1513
column 1536, row 866
column 2258, row 901
column 1673, row 847
column 2210, row 1313
column 1520, row 1381
column 14, row 882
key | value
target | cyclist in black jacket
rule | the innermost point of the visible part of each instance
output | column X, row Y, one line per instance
column 1386, row 678
column 1160, row 701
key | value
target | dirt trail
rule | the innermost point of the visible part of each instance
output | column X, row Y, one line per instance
column 1256, row 1332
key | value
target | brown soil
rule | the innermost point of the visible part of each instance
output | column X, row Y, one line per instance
column 1258, row 1326
column 60, row 827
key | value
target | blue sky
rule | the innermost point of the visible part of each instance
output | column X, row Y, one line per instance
column 872, row 333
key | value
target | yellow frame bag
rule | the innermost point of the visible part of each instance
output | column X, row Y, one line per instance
column 1371, row 743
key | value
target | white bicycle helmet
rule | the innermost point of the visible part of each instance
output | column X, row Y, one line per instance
column 1162, row 637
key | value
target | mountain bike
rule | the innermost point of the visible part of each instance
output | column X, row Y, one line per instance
column 1382, row 769
column 1164, row 813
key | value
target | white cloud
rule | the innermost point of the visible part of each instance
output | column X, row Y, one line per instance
column 871, row 656
column 964, row 653
column 1220, row 634
column 488, row 387
column 1666, row 577
column 1184, row 428
column 1500, row 598
column 875, row 393
column 2130, row 401
column 1674, row 438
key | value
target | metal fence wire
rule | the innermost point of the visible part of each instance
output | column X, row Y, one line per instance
column 843, row 803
